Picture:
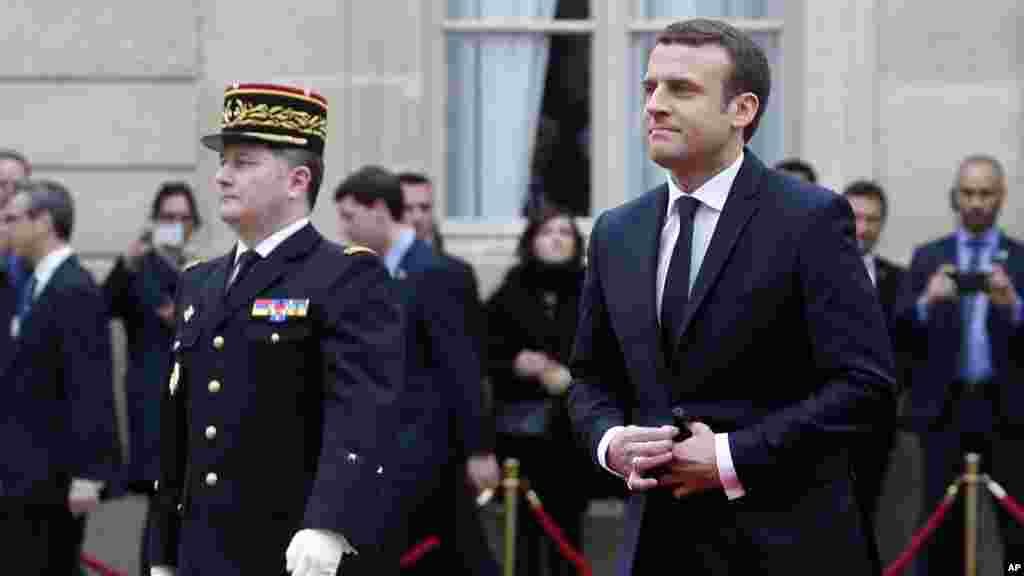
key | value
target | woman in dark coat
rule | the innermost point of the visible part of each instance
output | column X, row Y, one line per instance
column 140, row 291
column 531, row 321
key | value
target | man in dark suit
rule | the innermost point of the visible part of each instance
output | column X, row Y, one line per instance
column 736, row 294
column 871, row 457
column 442, row 396
column 276, row 422
column 14, row 167
column 59, row 440
column 418, row 197
column 964, row 309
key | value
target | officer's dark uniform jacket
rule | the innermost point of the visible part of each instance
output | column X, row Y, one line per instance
column 277, row 411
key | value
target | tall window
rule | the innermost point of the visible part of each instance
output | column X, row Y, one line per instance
column 521, row 94
column 761, row 19
column 518, row 106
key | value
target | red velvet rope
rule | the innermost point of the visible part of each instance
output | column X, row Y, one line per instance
column 414, row 554
column 923, row 534
column 1006, row 501
column 556, row 534
column 97, row 566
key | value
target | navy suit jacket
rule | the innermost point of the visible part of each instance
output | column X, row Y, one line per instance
column 783, row 346
column 936, row 343
column 443, row 352
column 13, row 278
column 58, row 393
column 274, row 423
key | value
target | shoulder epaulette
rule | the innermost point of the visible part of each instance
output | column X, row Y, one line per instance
column 356, row 249
column 193, row 264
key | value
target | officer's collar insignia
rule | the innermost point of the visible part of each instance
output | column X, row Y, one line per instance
column 279, row 310
column 189, row 312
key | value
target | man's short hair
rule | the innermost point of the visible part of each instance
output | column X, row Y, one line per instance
column 992, row 161
column 799, row 166
column 413, row 178
column 371, row 183
column 296, row 157
column 869, row 189
column 750, row 70
column 53, row 198
column 11, row 154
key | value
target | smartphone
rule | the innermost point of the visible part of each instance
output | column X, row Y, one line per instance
column 970, row 282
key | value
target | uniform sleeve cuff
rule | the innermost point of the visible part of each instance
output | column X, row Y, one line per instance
column 726, row 470
column 602, row 448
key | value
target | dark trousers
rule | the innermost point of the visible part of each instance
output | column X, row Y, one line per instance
column 45, row 540
column 870, row 462
column 969, row 424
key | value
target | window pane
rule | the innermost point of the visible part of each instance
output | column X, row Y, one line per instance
column 768, row 142
column 518, row 8
column 643, row 9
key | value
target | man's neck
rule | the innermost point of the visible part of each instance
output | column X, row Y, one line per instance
column 49, row 247
column 393, row 237
column 695, row 173
column 252, row 236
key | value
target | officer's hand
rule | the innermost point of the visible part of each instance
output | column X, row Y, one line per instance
column 1001, row 290
column 136, row 250
column 83, row 496
column 482, row 472
column 530, row 364
column 316, row 553
column 940, row 288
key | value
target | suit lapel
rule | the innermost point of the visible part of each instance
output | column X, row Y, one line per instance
column 268, row 271
column 647, row 229
column 739, row 207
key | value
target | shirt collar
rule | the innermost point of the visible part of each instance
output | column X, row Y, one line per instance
column 394, row 256
column 712, row 193
column 268, row 244
column 47, row 266
column 988, row 238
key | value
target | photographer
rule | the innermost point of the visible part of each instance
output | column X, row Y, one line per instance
column 965, row 313
column 140, row 291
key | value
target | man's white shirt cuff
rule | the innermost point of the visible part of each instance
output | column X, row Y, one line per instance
column 602, row 448
column 726, row 470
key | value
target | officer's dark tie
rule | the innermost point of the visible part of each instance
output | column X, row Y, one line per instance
column 246, row 260
column 27, row 297
column 677, row 286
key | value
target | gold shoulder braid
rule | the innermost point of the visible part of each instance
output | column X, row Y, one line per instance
column 356, row 249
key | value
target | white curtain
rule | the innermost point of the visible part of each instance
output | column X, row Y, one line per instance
column 768, row 141
column 495, row 85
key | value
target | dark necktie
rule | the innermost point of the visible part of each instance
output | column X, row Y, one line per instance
column 968, row 304
column 246, row 261
column 27, row 296
column 677, row 285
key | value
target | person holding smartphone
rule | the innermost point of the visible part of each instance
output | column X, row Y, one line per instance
column 140, row 292
column 965, row 317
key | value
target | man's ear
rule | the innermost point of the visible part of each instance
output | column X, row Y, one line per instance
column 300, row 178
column 744, row 109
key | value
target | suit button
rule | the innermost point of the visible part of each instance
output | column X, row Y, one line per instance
column 156, row 485
column 275, row 338
column 218, row 342
column 211, row 432
column 177, row 344
column 211, row 479
column 214, row 386
column 180, row 508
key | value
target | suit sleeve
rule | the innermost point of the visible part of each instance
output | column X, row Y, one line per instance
column 165, row 520
column 362, row 347
column 89, row 384
column 597, row 398
column 850, row 349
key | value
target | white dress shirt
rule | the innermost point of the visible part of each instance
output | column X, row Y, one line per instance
column 712, row 196
column 869, row 263
column 268, row 244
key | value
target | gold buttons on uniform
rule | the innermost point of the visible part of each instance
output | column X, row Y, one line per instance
column 275, row 337
column 211, row 479
column 218, row 342
column 177, row 344
column 211, row 432
column 213, row 387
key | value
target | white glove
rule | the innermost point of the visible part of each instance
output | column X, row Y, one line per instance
column 316, row 553
column 161, row 571
column 84, row 495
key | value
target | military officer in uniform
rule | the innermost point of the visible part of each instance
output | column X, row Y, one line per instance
column 286, row 362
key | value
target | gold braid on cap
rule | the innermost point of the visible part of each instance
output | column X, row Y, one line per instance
column 238, row 112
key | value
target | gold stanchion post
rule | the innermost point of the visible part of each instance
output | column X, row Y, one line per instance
column 511, row 485
column 971, row 479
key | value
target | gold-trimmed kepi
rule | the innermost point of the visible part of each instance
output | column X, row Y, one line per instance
column 275, row 114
